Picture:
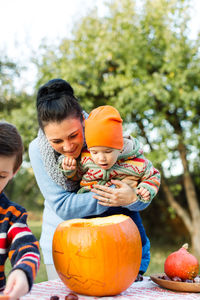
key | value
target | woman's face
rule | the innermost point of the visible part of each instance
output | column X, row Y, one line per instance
column 66, row 137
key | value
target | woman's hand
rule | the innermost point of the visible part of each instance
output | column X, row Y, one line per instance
column 120, row 196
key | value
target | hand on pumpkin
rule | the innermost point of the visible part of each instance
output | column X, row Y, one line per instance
column 17, row 285
column 120, row 196
column 69, row 163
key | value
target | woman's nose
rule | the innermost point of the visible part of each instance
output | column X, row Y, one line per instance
column 67, row 146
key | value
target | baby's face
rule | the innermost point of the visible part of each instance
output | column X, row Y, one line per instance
column 104, row 157
column 6, row 170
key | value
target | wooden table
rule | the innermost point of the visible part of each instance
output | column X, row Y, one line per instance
column 145, row 289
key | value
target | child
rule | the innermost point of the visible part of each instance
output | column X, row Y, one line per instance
column 110, row 156
column 16, row 240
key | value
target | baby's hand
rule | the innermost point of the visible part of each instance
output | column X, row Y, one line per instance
column 69, row 163
column 144, row 193
column 17, row 285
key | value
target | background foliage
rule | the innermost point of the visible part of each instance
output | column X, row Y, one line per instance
column 142, row 61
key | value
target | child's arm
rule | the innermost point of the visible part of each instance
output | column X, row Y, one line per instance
column 69, row 163
column 68, row 166
column 17, row 284
column 143, row 193
column 132, row 181
column 149, row 182
column 23, row 254
column 64, row 204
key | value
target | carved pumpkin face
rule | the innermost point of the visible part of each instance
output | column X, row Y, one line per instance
column 99, row 256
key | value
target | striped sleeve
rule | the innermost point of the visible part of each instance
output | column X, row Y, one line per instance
column 23, row 248
column 150, row 179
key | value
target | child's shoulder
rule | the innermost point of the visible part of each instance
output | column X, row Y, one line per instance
column 85, row 158
column 10, row 206
column 85, row 152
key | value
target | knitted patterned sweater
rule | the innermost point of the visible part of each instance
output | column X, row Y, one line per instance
column 131, row 167
column 17, row 241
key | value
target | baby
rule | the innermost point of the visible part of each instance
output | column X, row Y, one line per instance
column 110, row 156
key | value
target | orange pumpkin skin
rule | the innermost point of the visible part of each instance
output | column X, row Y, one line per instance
column 181, row 264
column 99, row 256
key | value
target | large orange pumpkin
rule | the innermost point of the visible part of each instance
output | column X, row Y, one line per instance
column 98, row 256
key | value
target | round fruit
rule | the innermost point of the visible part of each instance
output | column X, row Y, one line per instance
column 181, row 264
column 71, row 296
column 97, row 256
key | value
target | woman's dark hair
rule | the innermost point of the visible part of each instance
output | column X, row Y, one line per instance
column 56, row 102
column 11, row 143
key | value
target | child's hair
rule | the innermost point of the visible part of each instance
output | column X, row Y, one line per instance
column 56, row 102
column 11, row 143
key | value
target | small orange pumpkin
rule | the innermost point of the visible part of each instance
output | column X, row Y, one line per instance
column 97, row 256
column 181, row 264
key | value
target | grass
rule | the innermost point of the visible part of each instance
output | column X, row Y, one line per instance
column 159, row 253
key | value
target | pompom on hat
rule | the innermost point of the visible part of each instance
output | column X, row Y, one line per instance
column 104, row 128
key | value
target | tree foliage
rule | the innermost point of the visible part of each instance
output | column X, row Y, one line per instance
column 142, row 61
column 139, row 58
column 8, row 72
column 18, row 108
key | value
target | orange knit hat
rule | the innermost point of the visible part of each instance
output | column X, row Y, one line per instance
column 104, row 128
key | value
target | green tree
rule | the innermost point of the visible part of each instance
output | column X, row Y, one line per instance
column 142, row 61
column 8, row 72
column 18, row 108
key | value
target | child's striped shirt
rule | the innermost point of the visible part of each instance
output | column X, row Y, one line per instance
column 17, row 241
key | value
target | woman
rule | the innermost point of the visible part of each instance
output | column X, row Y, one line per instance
column 61, row 122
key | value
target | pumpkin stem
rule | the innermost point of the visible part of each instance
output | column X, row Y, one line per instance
column 185, row 246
